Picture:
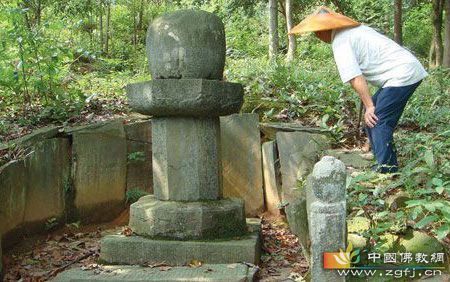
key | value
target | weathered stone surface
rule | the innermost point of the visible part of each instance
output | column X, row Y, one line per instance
column 12, row 195
column 412, row 242
column 353, row 159
column 325, row 197
column 186, row 159
column 185, row 97
column 420, row 242
column 272, row 177
column 47, row 180
column 207, row 273
column 298, row 153
column 186, row 44
column 188, row 220
column 32, row 190
column 139, row 152
column 38, row 135
column 99, row 156
column 241, row 161
column 297, row 217
column 270, row 129
column 136, row 250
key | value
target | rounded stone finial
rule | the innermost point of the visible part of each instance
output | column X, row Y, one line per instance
column 186, row 44
column 328, row 180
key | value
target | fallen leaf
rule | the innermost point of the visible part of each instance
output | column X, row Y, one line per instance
column 165, row 268
column 195, row 263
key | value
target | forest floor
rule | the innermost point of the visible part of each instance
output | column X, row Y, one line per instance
column 40, row 258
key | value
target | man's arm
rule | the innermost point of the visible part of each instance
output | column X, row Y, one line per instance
column 359, row 83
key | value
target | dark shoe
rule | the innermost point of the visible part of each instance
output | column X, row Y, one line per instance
column 384, row 169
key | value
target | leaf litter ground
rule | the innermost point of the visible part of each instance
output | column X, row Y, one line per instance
column 41, row 258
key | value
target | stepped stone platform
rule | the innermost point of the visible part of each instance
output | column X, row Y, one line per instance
column 214, row 273
column 132, row 250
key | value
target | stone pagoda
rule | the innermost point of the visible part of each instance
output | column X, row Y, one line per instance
column 187, row 218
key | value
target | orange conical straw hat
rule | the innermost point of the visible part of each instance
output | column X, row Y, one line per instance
column 323, row 19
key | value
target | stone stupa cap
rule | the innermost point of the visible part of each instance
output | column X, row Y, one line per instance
column 186, row 44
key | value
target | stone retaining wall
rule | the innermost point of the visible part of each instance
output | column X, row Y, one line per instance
column 83, row 173
column 73, row 174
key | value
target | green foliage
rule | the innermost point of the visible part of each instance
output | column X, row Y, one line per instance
column 133, row 195
column 51, row 223
column 417, row 29
column 136, row 157
column 306, row 91
column 425, row 177
column 375, row 13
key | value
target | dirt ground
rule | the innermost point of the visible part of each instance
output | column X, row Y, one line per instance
column 40, row 258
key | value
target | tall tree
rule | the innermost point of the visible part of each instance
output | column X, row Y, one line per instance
column 273, row 28
column 292, row 44
column 436, row 44
column 108, row 26
column 446, row 59
column 398, row 23
column 102, row 38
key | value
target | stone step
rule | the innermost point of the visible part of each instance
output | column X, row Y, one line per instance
column 238, row 272
column 137, row 250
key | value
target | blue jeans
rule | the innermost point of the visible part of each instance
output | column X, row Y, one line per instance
column 389, row 105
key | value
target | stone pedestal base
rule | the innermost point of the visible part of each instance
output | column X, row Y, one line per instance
column 120, row 273
column 173, row 220
column 137, row 250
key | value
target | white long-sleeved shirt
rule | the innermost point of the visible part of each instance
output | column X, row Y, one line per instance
column 363, row 51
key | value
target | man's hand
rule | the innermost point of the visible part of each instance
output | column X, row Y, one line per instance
column 370, row 117
column 359, row 83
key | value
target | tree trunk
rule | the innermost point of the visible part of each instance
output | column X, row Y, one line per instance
column 273, row 29
column 135, row 26
column 446, row 59
column 91, row 25
column 398, row 23
column 101, row 27
column 140, row 23
column 292, row 46
column 437, row 31
column 432, row 55
column 38, row 12
column 108, row 21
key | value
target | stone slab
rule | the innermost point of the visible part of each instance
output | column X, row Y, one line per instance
column 188, row 220
column 186, row 159
column 353, row 159
column 185, row 97
column 272, row 177
column 99, row 157
column 12, row 195
column 212, row 272
column 136, row 250
column 242, row 161
column 186, row 44
column 270, row 129
column 47, row 181
column 298, row 153
column 139, row 152
column 37, row 135
column 33, row 190
column 297, row 216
